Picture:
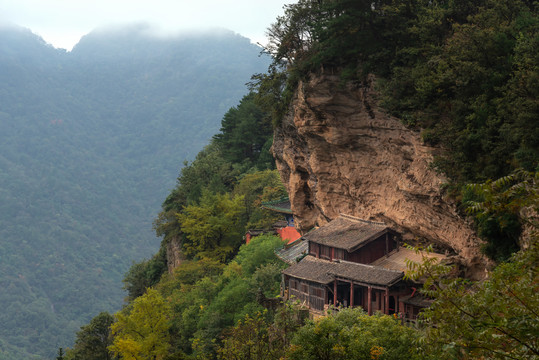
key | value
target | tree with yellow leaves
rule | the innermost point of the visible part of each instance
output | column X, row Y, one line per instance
column 141, row 332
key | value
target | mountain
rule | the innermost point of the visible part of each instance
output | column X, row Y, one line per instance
column 90, row 143
column 420, row 115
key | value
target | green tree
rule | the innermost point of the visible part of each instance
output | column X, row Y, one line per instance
column 494, row 319
column 93, row 340
column 245, row 130
column 207, row 297
column 142, row 331
column 145, row 274
column 243, row 144
column 213, row 228
column 256, row 188
column 262, row 335
column 352, row 334
column 190, row 271
column 260, row 251
column 60, row 354
column 290, row 40
column 189, row 302
column 209, row 171
column 499, row 209
column 466, row 77
column 255, row 268
column 252, row 339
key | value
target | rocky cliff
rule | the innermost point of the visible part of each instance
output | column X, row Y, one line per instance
column 338, row 152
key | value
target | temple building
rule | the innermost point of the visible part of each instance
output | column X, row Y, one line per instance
column 352, row 262
column 285, row 228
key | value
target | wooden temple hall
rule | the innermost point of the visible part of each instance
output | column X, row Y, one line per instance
column 354, row 262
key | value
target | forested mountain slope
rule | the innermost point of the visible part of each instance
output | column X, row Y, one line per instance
column 90, row 143
column 461, row 77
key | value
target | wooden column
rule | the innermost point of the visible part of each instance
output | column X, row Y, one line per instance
column 351, row 294
column 387, row 244
column 369, row 300
column 335, row 292
column 386, row 310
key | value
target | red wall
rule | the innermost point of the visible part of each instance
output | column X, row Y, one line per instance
column 288, row 234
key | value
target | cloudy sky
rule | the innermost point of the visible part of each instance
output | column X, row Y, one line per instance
column 63, row 22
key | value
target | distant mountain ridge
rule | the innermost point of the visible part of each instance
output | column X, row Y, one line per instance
column 90, row 144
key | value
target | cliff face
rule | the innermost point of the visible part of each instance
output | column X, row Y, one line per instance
column 174, row 253
column 337, row 152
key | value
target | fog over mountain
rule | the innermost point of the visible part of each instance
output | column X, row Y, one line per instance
column 91, row 142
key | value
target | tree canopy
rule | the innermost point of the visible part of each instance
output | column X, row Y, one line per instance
column 465, row 73
column 494, row 319
column 141, row 332
column 91, row 142
column 93, row 340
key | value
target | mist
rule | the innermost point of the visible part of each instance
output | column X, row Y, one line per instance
column 63, row 23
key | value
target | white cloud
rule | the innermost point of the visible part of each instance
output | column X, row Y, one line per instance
column 63, row 22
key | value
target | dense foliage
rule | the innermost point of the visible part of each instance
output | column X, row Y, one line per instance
column 448, row 67
column 354, row 335
column 346, row 334
column 495, row 319
column 218, row 195
column 464, row 73
column 500, row 207
column 90, row 143
column 142, row 330
column 186, row 313
column 475, row 92
column 94, row 339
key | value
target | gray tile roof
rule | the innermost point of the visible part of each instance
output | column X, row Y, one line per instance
column 417, row 300
column 396, row 260
column 291, row 253
column 347, row 232
column 281, row 206
column 324, row 271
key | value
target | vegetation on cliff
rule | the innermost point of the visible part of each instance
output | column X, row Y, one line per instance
column 211, row 306
column 215, row 304
column 209, row 310
column 217, row 198
column 464, row 73
column 494, row 319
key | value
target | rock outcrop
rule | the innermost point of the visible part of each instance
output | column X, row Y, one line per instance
column 174, row 253
column 338, row 152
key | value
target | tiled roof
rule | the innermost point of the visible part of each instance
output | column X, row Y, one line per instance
column 396, row 260
column 347, row 232
column 417, row 300
column 294, row 251
column 324, row 271
column 281, row 206
column 279, row 224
